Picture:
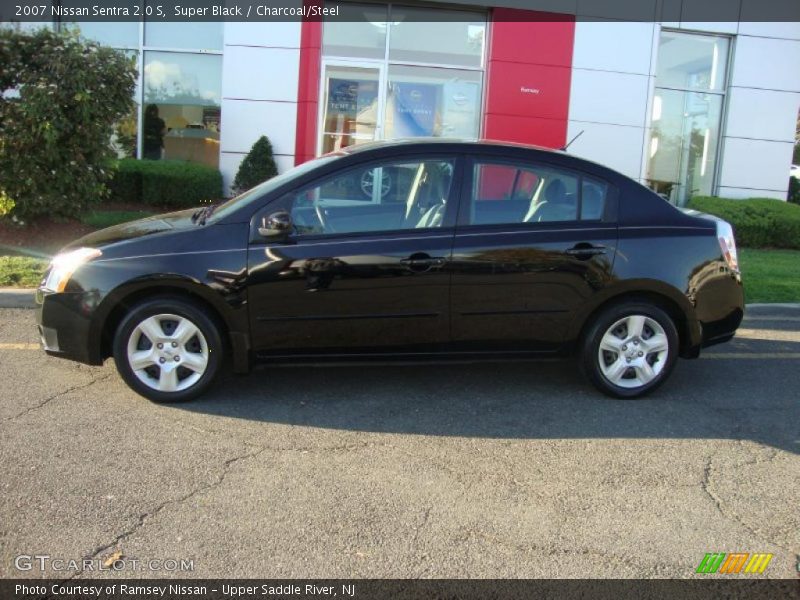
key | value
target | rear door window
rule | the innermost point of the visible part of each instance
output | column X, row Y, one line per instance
column 516, row 193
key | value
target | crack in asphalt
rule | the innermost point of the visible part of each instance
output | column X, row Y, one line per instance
column 226, row 466
column 603, row 556
column 144, row 517
column 153, row 512
column 421, row 559
column 49, row 399
column 731, row 515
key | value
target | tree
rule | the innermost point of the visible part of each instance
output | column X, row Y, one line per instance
column 60, row 98
column 257, row 166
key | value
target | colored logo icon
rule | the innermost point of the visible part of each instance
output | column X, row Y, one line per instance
column 734, row 562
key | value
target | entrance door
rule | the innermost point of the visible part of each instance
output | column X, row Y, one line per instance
column 353, row 100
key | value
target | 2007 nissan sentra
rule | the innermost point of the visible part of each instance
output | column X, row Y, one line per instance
column 418, row 249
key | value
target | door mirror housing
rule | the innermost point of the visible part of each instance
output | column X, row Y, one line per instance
column 276, row 225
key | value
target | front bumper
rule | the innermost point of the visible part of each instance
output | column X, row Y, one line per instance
column 64, row 323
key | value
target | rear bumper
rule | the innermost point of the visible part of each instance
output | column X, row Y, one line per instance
column 723, row 330
column 63, row 320
column 720, row 310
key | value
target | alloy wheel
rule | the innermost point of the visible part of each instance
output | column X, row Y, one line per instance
column 633, row 351
column 167, row 352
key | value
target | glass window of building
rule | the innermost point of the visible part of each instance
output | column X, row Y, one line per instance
column 115, row 34
column 195, row 35
column 396, row 72
column 441, row 37
column 182, row 99
column 178, row 93
column 424, row 102
column 360, row 32
column 686, row 116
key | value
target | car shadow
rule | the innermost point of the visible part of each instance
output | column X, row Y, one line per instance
column 704, row 399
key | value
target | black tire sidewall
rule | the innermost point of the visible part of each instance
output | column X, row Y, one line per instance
column 602, row 322
column 182, row 308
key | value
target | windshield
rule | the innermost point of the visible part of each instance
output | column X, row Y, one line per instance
column 254, row 194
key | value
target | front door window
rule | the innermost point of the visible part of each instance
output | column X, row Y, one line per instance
column 388, row 196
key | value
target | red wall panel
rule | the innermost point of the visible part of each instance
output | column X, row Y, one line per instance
column 529, row 72
column 532, row 37
column 528, row 90
column 549, row 133
column 305, row 144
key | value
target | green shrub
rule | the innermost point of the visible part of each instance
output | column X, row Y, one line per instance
column 126, row 184
column 6, row 204
column 178, row 184
column 60, row 98
column 165, row 183
column 794, row 190
column 757, row 222
column 257, row 166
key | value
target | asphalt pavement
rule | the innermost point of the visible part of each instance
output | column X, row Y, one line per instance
column 426, row 470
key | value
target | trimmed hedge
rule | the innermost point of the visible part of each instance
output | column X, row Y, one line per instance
column 126, row 184
column 757, row 222
column 166, row 183
column 794, row 190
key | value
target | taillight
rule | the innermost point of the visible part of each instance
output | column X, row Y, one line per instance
column 728, row 245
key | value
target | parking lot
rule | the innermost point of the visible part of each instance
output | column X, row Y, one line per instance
column 433, row 470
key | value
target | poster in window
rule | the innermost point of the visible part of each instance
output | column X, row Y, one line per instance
column 350, row 101
column 459, row 117
column 414, row 109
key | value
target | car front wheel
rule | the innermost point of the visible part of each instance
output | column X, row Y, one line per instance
column 630, row 349
column 168, row 350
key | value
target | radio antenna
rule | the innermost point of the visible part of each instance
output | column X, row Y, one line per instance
column 564, row 149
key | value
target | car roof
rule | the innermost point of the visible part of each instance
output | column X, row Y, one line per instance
column 468, row 145
column 443, row 141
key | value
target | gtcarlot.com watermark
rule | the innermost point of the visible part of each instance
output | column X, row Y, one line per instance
column 115, row 562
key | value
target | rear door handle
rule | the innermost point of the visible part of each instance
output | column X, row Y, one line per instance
column 585, row 249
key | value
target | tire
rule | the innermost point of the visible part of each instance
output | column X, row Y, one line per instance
column 639, row 349
column 189, row 359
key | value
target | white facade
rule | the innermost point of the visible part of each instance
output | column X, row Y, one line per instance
column 611, row 98
column 256, row 78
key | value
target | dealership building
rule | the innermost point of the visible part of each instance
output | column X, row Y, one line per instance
column 686, row 106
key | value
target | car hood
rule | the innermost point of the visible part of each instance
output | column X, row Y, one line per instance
column 132, row 230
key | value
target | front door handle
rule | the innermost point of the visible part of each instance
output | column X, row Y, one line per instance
column 585, row 250
column 420, row 261
column 415, row 262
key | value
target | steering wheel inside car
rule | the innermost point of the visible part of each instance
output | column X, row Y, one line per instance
column 323, row 219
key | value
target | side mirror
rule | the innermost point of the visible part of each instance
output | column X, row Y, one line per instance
column 278, row 224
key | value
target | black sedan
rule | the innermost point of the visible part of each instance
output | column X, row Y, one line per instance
column 481, row 251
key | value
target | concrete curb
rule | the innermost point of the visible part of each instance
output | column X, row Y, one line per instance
column 17, row 298
column 776, row 305
column 24, row 298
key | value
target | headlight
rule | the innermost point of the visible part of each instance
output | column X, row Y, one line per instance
column 64, row 265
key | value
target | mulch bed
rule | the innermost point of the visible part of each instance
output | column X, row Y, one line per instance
column 44, row 236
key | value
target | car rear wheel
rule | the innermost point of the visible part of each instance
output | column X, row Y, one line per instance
column 630, row 349
column 168, row 350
